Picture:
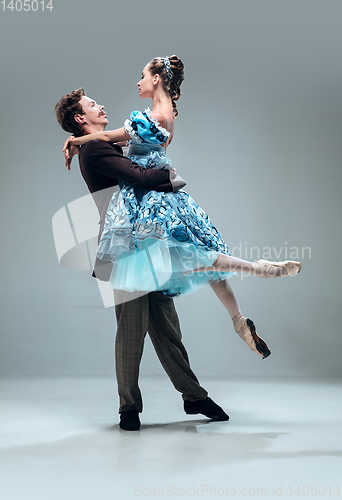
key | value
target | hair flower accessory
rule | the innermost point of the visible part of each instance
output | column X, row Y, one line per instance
column 167, row 65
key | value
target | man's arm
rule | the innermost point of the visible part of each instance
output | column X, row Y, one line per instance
column 101, row 157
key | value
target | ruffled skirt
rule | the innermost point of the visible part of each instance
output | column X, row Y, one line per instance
column 155, row 239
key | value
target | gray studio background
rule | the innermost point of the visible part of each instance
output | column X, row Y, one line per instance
column 258, row 140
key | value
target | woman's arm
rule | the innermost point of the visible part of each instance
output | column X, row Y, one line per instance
column 109, row 136
column 71, row 144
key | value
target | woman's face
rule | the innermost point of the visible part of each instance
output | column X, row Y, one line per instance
column 146, row 85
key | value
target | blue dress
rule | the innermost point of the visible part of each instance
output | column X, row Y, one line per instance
column 156, row 239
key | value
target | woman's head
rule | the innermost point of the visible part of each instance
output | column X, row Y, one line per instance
column 171, row 75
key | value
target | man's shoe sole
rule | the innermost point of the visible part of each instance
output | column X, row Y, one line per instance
column 130, row 428
column 213, row 417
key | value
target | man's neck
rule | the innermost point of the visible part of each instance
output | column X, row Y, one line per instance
column 92, row 129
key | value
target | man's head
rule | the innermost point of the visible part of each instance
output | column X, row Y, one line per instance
column 78, row 114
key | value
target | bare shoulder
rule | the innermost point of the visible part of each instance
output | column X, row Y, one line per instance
column 162, row 119
column 166, row 120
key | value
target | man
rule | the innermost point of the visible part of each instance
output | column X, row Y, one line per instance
column 102, row 166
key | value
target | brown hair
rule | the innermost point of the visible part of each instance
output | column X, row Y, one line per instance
column 157, row 67
column 66, row 109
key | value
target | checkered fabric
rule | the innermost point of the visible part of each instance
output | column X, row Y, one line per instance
column 154, row 313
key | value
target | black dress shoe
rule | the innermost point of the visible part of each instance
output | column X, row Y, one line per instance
column 207, row 407
column 129, row 420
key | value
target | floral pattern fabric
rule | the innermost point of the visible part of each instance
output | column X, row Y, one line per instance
column 155, row 239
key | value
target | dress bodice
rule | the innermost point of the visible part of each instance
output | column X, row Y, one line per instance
column 147, row 137
column 144, row 129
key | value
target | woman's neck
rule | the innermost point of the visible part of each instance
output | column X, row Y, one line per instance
column 161, row 100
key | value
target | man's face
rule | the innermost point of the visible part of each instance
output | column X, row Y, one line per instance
column 94, row 117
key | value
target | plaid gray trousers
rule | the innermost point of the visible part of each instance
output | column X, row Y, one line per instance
column 154, row 313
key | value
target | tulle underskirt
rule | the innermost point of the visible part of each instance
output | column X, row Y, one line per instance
column 164, row 265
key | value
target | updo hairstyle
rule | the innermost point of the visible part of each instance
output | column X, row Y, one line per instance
column 172, row 86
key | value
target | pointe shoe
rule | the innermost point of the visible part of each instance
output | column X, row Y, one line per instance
column 266, row 269
column 245, row 328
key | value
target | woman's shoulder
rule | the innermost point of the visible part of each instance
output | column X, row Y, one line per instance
column 158, row 117
column 146, row 125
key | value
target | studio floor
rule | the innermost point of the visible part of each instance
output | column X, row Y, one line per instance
column 60, row 439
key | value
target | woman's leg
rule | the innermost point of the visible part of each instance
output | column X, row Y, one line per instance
column 243, row 326
column 226, row 295
column 262, row 268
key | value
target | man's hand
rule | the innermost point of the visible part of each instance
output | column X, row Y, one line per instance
column 70, row 150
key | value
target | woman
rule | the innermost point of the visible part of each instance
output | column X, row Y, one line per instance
column 165, row 241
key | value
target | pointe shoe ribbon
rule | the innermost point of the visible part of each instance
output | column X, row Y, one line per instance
column 245, row 328
column 266, row 269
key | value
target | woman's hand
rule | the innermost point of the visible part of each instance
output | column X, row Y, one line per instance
column 71, row 138
column 70, row 150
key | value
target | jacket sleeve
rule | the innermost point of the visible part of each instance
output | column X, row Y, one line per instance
column 101, row 157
